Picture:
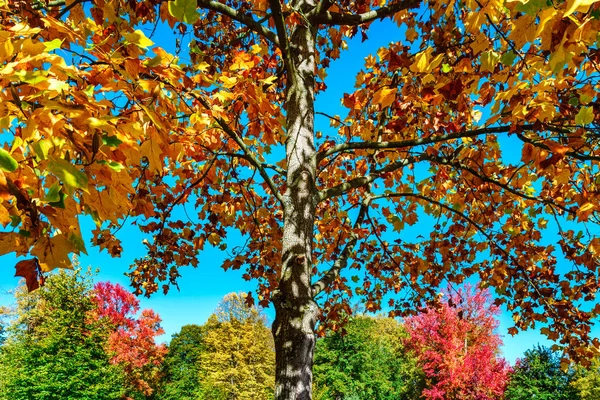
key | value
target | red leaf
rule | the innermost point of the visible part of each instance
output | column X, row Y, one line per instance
column 30, row 270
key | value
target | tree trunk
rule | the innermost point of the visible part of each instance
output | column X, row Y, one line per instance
column 295, row 310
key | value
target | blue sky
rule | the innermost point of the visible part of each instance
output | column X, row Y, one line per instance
column 202, row 288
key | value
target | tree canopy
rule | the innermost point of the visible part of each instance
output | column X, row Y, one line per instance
column 478, row 120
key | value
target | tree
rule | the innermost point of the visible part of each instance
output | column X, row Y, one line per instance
column 182, row 375
column 238, row 362
column 457, row 346
column 131, row 342
column 368, row 361
column 74, row 341
column 539, row 375
column 479, row 120
column 586, row 381
column 54, row 351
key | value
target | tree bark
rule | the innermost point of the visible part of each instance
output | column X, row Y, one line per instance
column 295, row 310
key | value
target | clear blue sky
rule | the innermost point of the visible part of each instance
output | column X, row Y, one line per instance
column 202, row 288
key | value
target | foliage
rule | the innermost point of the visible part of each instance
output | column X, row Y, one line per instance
column 181, row 367
column 70, row 340
column 538, row 375
column 239, row 359
column 457, row 346
column 479, row 121
column 131, row 342
column 54, row 351
column 369, row 361
column 587, row 381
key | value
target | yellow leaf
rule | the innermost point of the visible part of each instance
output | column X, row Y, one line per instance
column 585, row 207
column 578, row 5
column 228, row 82
column 53, row 252
column 385, row 97
column 151, row 150
column 12, row 241
column 421, row 63
column 138, row 38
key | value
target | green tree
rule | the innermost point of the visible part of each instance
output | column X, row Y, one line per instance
column 53, row 350
column 367, row 362
column 239, row 358
column 587, row 381
column 181, row 368
column 539, row 376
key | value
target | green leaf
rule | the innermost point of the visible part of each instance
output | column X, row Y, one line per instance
column 584, row 116
column 446, row 68
column 7, row 163
column 184, row 10
column 508, row 58
column 53, row 194
column 111, row 141
column 77, row 241
column 68, row 173
column 53, row 44
column 60, row 203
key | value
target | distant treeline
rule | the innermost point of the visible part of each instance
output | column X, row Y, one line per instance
column 74, row 340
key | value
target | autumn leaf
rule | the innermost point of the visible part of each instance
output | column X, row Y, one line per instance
column 138, row 38
column 30, row 270
column 184, row 10
column 385, row 97
column 68, row 174
column 578, row 5
column 53, row 252
column 585, row 116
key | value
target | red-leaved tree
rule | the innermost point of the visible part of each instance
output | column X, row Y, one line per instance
column 131, row 341
column 456, row 344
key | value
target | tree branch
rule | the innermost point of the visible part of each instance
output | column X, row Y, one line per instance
column 541, row 145
column 342, row 260
column 482, row 231
column 333, row 18
column 504, row 186
column 249, row 156
column 284, row 46
column 234, row 14
column 428, row 140
column 363, row 180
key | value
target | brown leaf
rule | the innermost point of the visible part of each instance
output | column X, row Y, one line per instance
column 29, row 269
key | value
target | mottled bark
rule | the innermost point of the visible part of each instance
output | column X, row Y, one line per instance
column 296, row 311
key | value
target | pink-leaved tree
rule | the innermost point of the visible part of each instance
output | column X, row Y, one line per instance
column 456, row 343
column 132, row 339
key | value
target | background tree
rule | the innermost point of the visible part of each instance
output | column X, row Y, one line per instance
column 539, row 375
column 54, row 350
column 368, row 361
column 587, row 381
column 457, row 346
column 131, row 341
column 181, row 379
column 479, row 121
column 239, row 357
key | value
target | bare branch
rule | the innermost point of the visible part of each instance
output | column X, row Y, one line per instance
column 333, row 18
column 234, row 14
